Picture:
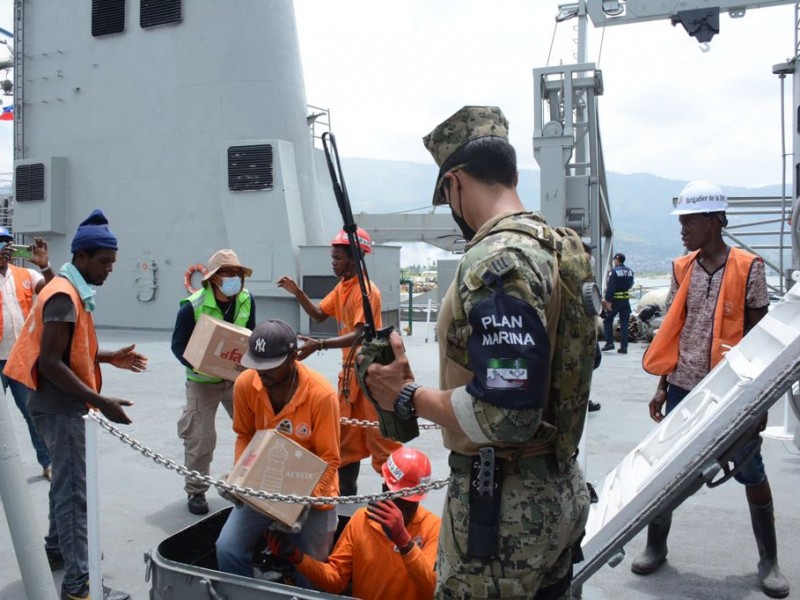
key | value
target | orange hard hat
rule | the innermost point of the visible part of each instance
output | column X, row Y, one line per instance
column 364, row 241
column 407, row 468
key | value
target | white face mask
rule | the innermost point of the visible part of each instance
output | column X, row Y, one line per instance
column 230, row 286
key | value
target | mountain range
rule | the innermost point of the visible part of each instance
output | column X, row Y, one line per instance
column 640, row 203
column 640, row 206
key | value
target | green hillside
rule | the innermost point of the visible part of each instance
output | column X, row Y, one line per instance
column 640, row 203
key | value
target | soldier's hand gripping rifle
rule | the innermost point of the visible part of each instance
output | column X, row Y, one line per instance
column 375, row 346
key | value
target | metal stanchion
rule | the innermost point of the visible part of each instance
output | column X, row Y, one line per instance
column 428, row 321
column 28, row 547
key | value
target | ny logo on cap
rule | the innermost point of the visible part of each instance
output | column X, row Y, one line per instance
column 261, row 345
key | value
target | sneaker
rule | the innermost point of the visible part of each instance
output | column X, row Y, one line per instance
column 594, row 406
column 622, row 351
column 47, row 472
column 607, row 347
column 54, row 559
column 197, row 504
column 83, row 594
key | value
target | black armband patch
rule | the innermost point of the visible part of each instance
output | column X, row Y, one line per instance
column 509, row 353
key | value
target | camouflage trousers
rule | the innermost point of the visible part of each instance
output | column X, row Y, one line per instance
column 541, row 516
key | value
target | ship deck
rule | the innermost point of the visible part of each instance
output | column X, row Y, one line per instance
column 712, row 551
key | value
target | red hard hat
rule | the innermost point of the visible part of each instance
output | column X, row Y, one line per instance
column 363, row 240
column 407, row 468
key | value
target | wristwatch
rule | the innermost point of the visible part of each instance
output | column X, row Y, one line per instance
column 404, row 404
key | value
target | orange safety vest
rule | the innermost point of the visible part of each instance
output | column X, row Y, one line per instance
column 23, row 288
column 23, row 362
column 661, row 356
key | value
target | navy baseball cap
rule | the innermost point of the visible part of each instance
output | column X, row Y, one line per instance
column 270, row 343
column 5, row 235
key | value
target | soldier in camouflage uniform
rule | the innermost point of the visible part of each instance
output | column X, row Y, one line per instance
column 497, row 330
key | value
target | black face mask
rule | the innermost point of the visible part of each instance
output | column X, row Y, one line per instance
column 467, row 231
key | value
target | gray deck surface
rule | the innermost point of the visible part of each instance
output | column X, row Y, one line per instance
column 712, row 551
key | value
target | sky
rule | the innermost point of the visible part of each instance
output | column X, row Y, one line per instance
column 390, row 72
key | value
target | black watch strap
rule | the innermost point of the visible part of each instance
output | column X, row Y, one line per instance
column 404, row 403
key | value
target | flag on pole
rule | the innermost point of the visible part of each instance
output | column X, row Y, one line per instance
column 8, row 113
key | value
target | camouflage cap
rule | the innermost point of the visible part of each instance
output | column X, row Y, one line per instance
column 469, row 123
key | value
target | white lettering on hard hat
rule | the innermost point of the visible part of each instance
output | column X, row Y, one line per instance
column 396, row 471
column 261, row 345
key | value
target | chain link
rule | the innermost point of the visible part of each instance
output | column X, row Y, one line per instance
column 260, row 494
column 368, row 424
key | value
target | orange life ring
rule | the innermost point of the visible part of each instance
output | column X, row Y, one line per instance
column 187, row 276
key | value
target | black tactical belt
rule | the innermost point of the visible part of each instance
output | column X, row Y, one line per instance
column 539, row 466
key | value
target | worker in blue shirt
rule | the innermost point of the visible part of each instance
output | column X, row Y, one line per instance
column 617, row 302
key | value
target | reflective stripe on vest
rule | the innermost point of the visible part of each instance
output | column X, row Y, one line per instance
column 622, row 295
column 204, row 302
column 23, row 360
column 23, row 290
column 661, row 357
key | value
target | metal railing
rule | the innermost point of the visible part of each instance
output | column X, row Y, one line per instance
column 319, row 121
column 762, row 220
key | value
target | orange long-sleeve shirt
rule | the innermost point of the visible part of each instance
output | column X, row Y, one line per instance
column 371, row 560
column 344, row 304
column 311, row 418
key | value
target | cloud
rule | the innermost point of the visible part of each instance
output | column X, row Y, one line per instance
column 390, row 73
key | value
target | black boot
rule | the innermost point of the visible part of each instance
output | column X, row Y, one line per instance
column 772, row 580
column 656, row 551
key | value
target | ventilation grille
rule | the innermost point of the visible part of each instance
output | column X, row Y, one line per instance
column 319, row 286
column 108, row 16
column 250, row 168
column 160, row 12
column 29, row 182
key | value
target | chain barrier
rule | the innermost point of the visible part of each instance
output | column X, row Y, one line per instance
column 260, row 494
column 374, row 424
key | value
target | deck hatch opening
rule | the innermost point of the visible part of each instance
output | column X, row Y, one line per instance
column 250, row 168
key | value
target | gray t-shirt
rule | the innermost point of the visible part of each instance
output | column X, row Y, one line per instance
column 50, row 399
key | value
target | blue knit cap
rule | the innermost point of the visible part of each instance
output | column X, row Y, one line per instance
column 94, row 233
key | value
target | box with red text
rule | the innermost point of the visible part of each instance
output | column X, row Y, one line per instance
column 216, row 347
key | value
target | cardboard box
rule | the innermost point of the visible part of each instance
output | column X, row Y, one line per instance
column 274, row 463
column 216, row 347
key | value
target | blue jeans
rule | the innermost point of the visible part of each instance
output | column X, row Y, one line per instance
column 623, row 309
column 20, row 393
column 245, row 527
column 752, row 473
column 64, row 436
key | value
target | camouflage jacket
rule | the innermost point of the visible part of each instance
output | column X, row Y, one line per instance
column 527, row 271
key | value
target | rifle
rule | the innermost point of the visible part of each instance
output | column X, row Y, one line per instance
column 375, row 346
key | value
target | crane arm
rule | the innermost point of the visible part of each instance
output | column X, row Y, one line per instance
column 619, row 12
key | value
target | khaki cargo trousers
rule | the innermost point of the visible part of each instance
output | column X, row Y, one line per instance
column 196, row 427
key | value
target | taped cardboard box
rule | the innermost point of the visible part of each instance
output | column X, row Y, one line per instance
column 216, row 347
column 274, row 463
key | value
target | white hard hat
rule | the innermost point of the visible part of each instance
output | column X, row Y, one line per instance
column 700, row 197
